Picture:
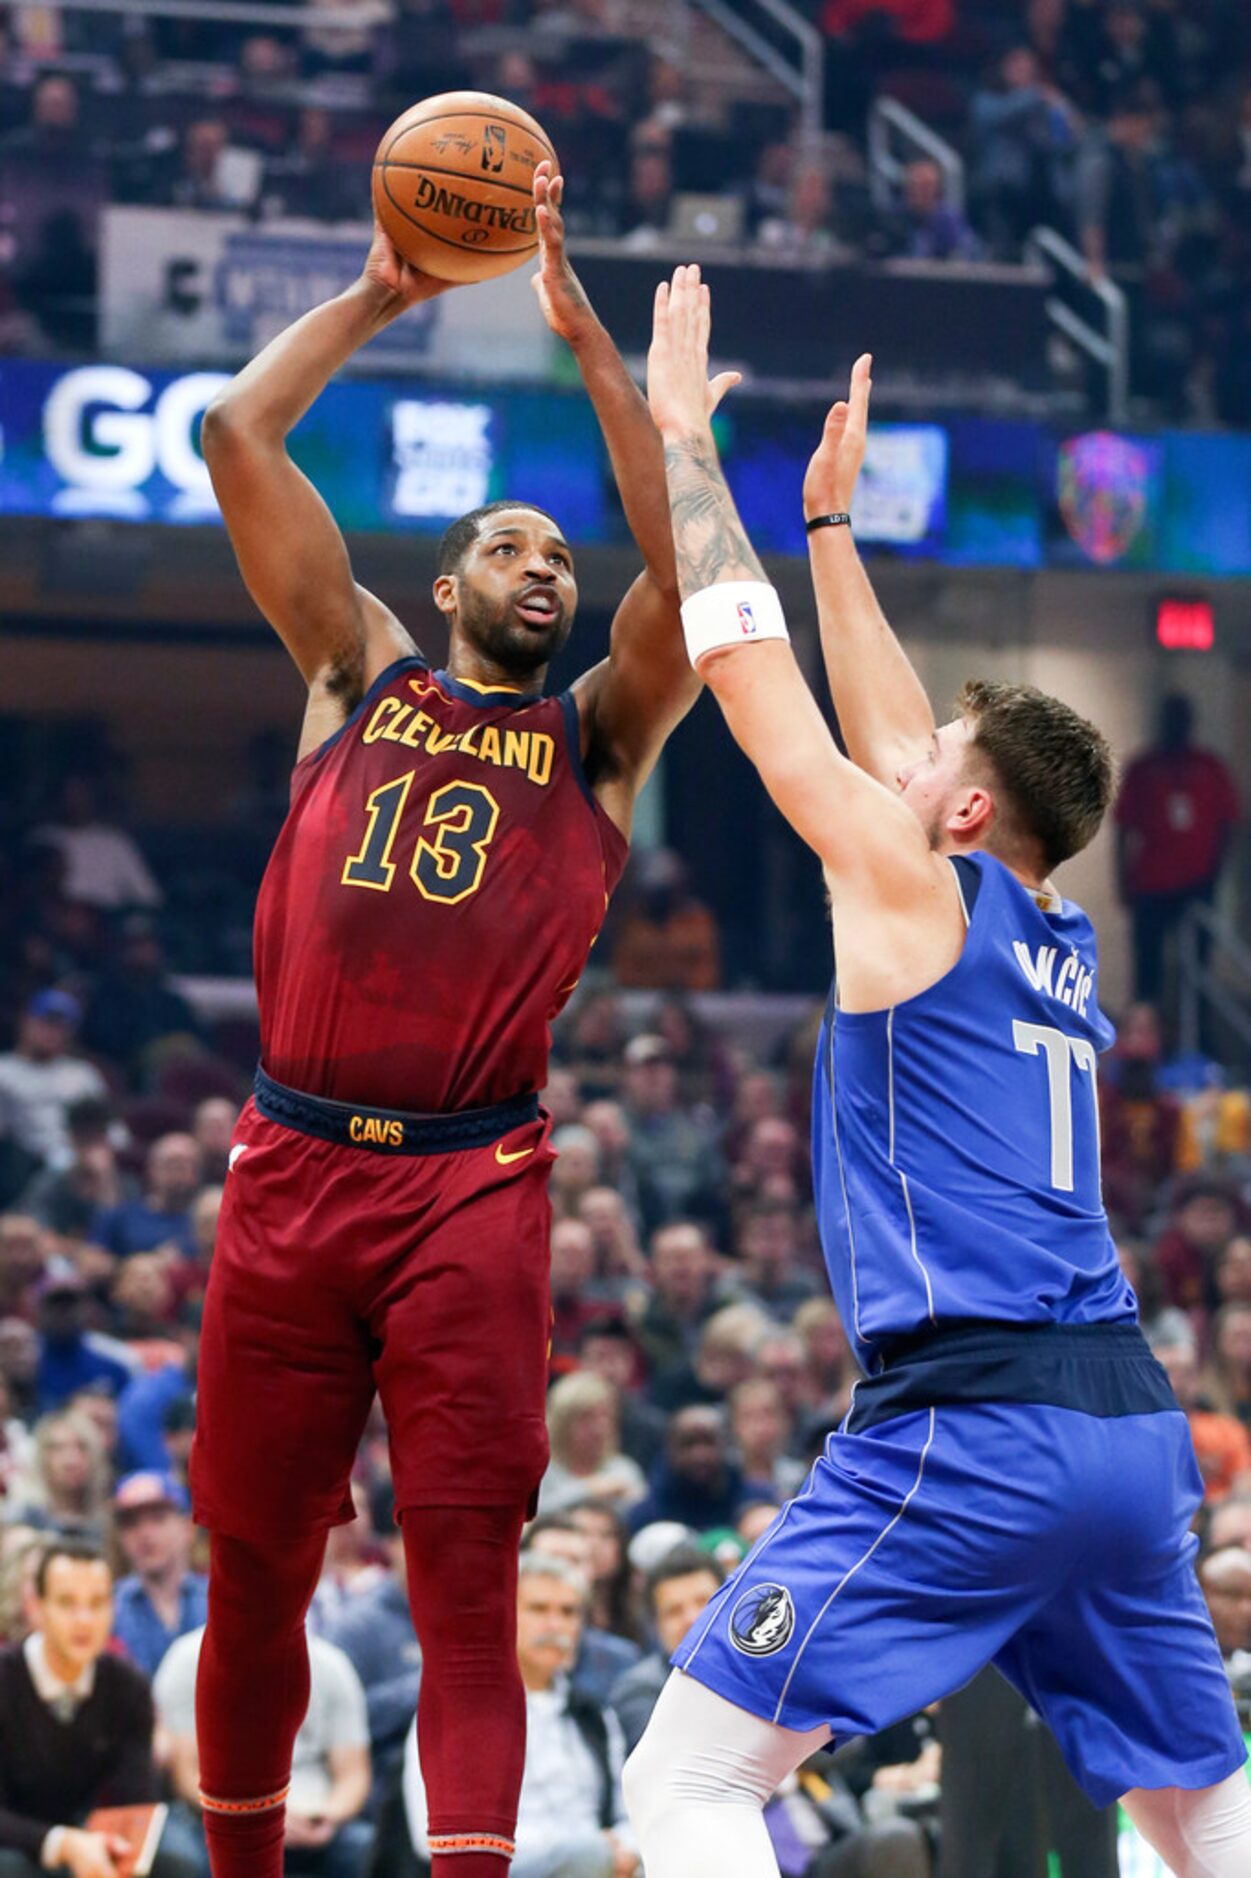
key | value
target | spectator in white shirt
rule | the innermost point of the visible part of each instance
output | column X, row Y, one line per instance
column 330, row 1773
column 40, row 1080
column 571, row 1819
column 103, row 864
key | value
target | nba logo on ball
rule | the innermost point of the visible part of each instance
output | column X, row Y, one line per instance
column 762, row 1621
column 746, row 618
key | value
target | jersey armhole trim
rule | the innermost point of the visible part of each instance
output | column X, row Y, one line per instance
column 383, row 679
column 573, row 739
column 968, row 883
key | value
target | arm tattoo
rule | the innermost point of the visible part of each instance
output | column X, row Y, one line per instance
column 709, row 539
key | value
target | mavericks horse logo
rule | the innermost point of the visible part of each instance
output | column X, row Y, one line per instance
column 762, row 1621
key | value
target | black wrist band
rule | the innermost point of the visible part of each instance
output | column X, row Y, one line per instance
column 828, row 521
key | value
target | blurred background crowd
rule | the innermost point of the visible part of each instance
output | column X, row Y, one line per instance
column 698, row 1364
column 1124, row 124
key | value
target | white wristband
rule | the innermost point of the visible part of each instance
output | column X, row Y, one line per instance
column 733, row 613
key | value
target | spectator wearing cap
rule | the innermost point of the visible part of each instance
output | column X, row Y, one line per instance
column 375, row 1631
column 668, row 939
column 696, row 1482
column 676, row 1591
column 71, row 1357
column 75, row 1726
column 161, row 1218
column 67, row 1199
column 673, row 1156
column 161, row 1598
column 571, row 1819
column 41, row 1078
column 67, row 1489
column 134, row 1005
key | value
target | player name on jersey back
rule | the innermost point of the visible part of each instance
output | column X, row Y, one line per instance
column 432, row 898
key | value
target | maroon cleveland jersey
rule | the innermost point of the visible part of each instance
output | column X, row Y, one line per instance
column 432, row 897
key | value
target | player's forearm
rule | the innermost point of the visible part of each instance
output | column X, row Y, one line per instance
column 710, row 544
column 882, row 708
column 271, row 394
column 634, row 447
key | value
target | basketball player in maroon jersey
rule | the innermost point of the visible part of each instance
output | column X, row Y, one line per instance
column 453, row 839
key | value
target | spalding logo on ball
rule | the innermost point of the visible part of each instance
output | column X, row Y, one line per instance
column 453, row 185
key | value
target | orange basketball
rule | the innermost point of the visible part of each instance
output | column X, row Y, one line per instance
column 452, row 184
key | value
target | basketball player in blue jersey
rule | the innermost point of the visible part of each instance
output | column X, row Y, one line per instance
column 1014, row 1481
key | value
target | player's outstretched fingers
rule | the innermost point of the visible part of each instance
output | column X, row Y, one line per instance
column 861, row 387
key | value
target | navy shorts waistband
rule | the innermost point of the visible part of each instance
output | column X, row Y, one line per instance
column 1096, row 1369
column 390, row 1131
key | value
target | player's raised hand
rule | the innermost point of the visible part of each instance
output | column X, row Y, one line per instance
column 561, row 294
column 831, row 476
column 681, row 394
column 386, row 267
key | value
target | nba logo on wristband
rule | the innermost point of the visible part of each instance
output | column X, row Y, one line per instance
column 746, row 618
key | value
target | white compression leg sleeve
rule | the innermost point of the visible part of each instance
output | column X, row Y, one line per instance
column 697, row 1782
column 1200, row 1834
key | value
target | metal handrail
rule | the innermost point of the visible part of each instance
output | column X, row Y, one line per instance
column 1109, row 349
column 804, row 79
column 889, row 119
column 1199, row 984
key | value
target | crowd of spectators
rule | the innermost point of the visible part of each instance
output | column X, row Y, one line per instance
column 698, row 1364
column 1124, row 123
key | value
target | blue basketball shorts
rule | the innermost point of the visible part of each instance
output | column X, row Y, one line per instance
column 1054, row 1543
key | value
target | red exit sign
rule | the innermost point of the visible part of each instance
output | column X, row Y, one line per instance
column 1185, row 625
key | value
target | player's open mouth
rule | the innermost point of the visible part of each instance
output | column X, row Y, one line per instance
column 539, row 608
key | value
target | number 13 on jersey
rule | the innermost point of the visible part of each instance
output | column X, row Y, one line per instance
column 446, row 868
column 1065, row 1058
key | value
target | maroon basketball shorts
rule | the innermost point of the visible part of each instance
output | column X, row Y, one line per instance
column 360, row 1250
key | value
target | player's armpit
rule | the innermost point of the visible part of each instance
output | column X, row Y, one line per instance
column 291, row 554
column 630, row 701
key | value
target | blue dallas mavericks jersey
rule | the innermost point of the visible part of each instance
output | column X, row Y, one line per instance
column 956, row 1135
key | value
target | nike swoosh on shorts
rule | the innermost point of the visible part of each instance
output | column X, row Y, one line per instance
column 504, row 1159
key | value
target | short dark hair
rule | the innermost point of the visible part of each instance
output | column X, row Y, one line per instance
column 459, row 537
column 81, row 1550
column 680, row 1563
column 1055, row 771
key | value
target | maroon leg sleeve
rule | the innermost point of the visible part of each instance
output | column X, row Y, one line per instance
column 251, row 1695
column 471, row 1717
